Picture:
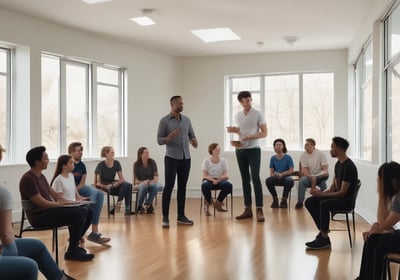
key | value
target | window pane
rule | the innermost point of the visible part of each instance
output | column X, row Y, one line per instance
column 107, row 117
column 249, row 83
column 395, row 89
column 3, row 61
column 50, row 107
column 108, row 76
column 394, row 33
column 318, row 108
column 3, row 108
column 76, row 111
column 282, row 108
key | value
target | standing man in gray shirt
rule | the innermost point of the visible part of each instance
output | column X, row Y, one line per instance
column 176, row 132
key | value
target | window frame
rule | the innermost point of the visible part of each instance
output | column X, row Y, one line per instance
column 229, row 102
column 10, row 52
column 91, row 96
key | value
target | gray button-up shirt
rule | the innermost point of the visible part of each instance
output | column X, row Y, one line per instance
column 178, row 147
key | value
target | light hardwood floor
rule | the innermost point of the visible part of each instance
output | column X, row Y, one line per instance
column 215, row 248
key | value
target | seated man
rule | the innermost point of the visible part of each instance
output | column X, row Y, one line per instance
column 337, row 197
column 314, row 170
column 75, row 149
column 50, row 213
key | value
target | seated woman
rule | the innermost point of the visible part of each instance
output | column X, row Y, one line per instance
column 63, row 183
column 22, row 258
column 145, row 178
column 105, row 174
column 280, row 169
column 382, row 239
column 215, row 177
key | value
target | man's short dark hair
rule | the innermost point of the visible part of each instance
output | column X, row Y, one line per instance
column 311, row 140
column 173, row 98
column 243, row 94
column 35, row 154
column 341, row 142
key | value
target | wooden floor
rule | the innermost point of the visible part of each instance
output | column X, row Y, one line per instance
column 215, row 248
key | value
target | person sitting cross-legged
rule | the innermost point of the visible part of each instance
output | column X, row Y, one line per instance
column 215, row 177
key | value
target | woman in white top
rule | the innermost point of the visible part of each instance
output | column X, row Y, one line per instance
column 215, row 177
column 63, row 183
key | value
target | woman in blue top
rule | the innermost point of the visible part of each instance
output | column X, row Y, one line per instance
column 280, row 169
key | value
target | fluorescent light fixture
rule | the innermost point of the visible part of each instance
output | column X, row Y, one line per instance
column 216, row 34
column 95, row 1
column 143, row 20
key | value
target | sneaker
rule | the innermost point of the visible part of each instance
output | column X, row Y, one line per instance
column 183, row 220
column 319, row 243
column 112, row 211
column 298, row 205
column 319, row 236
column 283, row 204
column 78, row 255
column 98, row 238
column 165, row 222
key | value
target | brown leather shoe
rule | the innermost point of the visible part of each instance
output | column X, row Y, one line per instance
column 218, row 206
column 248, row 213
column 260, row 215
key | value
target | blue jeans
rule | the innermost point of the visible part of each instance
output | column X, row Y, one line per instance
column 225, row 186
column 250, row 158
column 305, row 183
column 98, row 197
column 32, row 255
column 287, row 183
column 143, row 190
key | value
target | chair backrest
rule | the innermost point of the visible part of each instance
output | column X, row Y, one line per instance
column 28, row 205
column 355, row 194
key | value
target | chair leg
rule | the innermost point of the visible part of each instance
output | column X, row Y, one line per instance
column 108, row 205
column 354, row 223
column 232, row 204
column 55, row 243
column 348, row 229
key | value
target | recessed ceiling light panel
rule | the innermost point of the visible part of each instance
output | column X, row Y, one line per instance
column 216, row 34
column 143, row 20
column 95, row 1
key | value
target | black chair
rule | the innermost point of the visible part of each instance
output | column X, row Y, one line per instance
column 28, row 205
column 214, row 198
column 391, row 258
column 349, row 211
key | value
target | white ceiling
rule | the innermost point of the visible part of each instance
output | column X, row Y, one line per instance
column 319, row 24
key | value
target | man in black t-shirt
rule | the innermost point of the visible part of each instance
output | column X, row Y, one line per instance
column 337, row 197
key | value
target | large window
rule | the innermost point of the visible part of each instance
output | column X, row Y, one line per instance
column 81, row 102
column 296, row 106
column 5, row 97
column 392, row 73
column 363, row 108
